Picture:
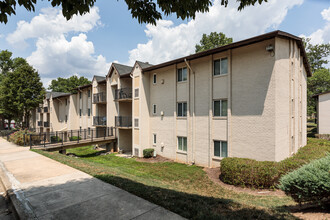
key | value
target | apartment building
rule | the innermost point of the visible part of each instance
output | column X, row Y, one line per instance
column 246, row 99
column 323, row 113
column 84, row 103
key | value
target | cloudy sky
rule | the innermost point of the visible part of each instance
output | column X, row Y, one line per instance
column 87, row 45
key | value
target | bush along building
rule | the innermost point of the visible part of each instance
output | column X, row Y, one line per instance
column 246, row 99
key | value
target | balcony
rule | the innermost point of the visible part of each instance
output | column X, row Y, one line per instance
column 46, row 124
column 123, row 121
column 40, row 123
column 124, row 94
column 45, row 109
column 99, row 98
column 99, row 120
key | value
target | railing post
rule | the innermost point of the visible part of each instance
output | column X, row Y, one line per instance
column 78, row 137
column 105, row 132
column 92, row 135
column 56, row 137
column 30, row 142
column 71, row 134
column 45, row 140
column 62, row 137
column 85, row 133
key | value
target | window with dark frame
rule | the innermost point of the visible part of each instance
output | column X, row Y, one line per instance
column 136, row 91
column 89, row 93
column 220, row 108
column 182, row 74
column 154, row 78
column 136, row 122
column 154, row 139
column 89, row 112
column 182, row 109
column 80, row 112
column 182, row 144
column 154, row 109
column 220, row 149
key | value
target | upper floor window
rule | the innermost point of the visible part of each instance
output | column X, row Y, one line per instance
column 154, row 79
column 220, row 149
column 182, row 109
column 80, row 112
column 136, row 92
column 182, row 74
column 89, row 93
column 220, row 108
column 79, row 95
column 154, row 109
column 66, row 118
column 89, row 112
column 136, row 122
column 220, row 67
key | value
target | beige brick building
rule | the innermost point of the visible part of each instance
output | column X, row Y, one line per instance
column 323, row 113
column 246, row 99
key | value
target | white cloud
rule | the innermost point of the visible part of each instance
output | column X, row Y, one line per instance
column 167, row 41
column 322, row 35
column 55, row 55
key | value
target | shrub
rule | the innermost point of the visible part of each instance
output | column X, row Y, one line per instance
column 18, row 137
column 310, row 183
column 55, row 139
column 147, row 153
column 74, row 138
column 266, row 174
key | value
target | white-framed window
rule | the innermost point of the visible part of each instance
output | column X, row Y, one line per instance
column 154, row 78
column 182, row 144
column 154, row 139
column 182, row 109
column 220, row 108
column 154, row 109
column 220, row 148
column 136, row 122
column 89, row 112
column 220, row 66
column 182, row 74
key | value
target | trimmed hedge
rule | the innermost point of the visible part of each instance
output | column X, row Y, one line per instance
column 55, row 139
column 309, row 183
column 74, row 138
column 266, row 174
column 147, row 153
column 18, row 137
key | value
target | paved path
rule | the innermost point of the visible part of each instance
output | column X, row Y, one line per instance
column 42, row 188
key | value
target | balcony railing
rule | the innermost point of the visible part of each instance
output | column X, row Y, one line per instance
column 40, row 123
column 123, row 121
column 46, row 124
column 99, row 97
column 45, row 109
column 123, row 94
column 99, row 120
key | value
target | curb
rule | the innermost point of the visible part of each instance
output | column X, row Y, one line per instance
column 20, row 206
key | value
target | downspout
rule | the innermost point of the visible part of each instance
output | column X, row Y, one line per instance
column 193, row 112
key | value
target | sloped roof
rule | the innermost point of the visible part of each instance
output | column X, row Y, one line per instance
column 59, row 94
column 99, row 78
column 122, row 69
column 322, row 93
column 237, row 44
column 144, row 65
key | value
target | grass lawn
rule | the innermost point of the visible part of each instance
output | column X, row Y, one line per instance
column 185, row 190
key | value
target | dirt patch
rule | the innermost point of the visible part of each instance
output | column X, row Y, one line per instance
column 214, row 173
column 157, row 159
column 311, row 212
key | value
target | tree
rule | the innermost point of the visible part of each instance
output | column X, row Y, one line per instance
column 146, row 11
column 317, row 54
column 6, row 63
column 318, row 83
column 21, row 91
column 212, row 40
column 67, row 85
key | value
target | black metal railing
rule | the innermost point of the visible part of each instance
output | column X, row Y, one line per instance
column 56, row 138
column 99, row 120
column 99, row 97
column 46, row 124
column 40, row 123
column 123, row 121
column 124, row 93
column 45, row 109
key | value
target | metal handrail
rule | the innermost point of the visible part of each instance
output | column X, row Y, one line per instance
column 99, row 97
column 123, row 121
column 100, row 120
column 124, row 93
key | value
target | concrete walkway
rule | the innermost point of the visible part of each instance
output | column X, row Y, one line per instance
column 41, row 188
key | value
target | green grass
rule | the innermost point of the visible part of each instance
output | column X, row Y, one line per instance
column 183, row 189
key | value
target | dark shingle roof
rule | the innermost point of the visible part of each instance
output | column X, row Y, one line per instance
column 322, row 93
column 99, row 78
column 122, row 69
column 144, row 64
column 59, row 94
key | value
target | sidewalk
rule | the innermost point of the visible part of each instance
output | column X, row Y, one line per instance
column 41, row 188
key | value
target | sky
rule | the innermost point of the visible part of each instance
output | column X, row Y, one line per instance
column 87, row 45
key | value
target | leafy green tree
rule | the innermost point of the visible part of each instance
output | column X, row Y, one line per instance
column 67, row 85
column 6, row 63
column 317, row 54
column 212, row 40
column 21, row 91
column 146, row 11
column 318, row 83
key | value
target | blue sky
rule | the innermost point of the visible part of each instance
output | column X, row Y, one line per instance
column 88, row 44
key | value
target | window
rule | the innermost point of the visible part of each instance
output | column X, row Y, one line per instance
column 89, row 112
column 89, row 93
column 80, row 112
column 154, row 139
column 154, row 78
column 220, row 108
column 220, row 149
column 79, row 95
column 182, row 109
column 66, row 118
column 136, row 91
column 154, row 109
column 182, row 143
column 220, row 67
column 182, row 74
column 136, row 122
